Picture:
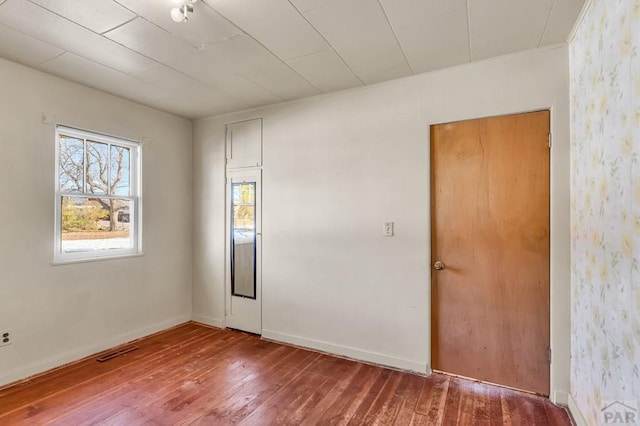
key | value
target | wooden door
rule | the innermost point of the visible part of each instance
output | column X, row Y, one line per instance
column 490, row 229
column 244, row 252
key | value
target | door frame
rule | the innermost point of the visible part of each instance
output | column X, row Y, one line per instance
column 559, row 242
column 236, row 303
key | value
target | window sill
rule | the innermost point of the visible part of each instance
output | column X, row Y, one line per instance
column 95, row 259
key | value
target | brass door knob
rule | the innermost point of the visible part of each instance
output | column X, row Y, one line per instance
column 438, row 265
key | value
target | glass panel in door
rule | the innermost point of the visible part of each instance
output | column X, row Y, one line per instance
column 243, row 239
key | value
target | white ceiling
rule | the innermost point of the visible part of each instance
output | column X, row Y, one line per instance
column 237, row 54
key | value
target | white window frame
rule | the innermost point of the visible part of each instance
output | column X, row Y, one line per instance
column 135, row 216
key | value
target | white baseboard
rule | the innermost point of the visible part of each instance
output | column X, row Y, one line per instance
column 575, row 412
column 560, row 398
column 21, row 373
column 213, row 322
column 357, row 354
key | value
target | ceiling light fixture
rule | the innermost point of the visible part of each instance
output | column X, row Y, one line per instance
column 183, row 7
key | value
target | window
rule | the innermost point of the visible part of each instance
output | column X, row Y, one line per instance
column 97, row 196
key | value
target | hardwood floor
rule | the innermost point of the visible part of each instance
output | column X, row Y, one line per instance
column 195, row 375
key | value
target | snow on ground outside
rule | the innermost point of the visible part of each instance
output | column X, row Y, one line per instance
column 89, row 245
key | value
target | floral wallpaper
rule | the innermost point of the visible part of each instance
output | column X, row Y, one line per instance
column 605, row 212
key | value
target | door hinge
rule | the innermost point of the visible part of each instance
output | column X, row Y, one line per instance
column 550, row 140
column 549, row 355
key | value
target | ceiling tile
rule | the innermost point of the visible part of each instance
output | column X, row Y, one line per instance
column 244, row 56
column 96, row 15
column 325, row 70
column 81, row 70
column 402, row 13
column 192, row 108
column 498, row 27
column 279, row 78
column 204, row 27
column 220, row 66
column 230, row 56
column 29, row 18
column 358, row 30
column 291, row 49
column 563, row 15
column 165, row 77
column 239, row 86
column 307, row 5
column 274, row 23
column 191, row 100
column 152, row 41
column 436, row 43
column 25, row 49
column 196, row 101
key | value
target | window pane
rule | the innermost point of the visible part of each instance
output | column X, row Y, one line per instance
column 90, row 224
column 120, row 167
column 244, row 194
column 97, row 168
column 71, row 166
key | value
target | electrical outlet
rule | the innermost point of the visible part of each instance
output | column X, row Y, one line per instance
column 387, row 229
column 5, row 338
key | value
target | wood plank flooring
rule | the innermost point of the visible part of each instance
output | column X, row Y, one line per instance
column 195, row 375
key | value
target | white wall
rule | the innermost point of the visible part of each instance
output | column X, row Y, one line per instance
column 335, row 168
column 60, row 313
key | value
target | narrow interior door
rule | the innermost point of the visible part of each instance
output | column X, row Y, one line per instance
column 490, row 250
column 244, row 238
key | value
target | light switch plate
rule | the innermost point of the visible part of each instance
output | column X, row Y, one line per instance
column 387, row 229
